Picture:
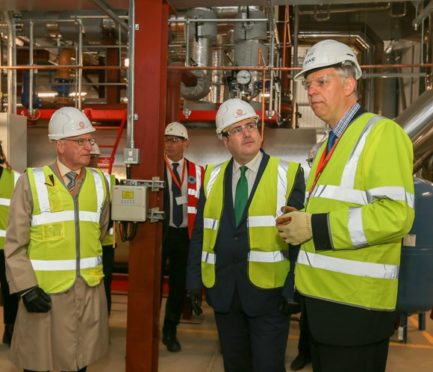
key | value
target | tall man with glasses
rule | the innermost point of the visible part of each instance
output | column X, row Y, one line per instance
column 360, row 197
column 183, row 179
column 235, row 251
column 59, row 215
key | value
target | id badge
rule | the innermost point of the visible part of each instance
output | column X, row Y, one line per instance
column 181, row 200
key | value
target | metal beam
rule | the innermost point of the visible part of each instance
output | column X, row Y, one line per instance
column 111, row 13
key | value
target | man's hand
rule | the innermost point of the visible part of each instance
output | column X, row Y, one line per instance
column 194, row 296
column 295, row 227
column 36, row 300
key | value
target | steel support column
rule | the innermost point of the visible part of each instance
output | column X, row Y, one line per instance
column 145, row 249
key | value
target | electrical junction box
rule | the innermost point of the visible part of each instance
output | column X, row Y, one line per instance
column 129, row 203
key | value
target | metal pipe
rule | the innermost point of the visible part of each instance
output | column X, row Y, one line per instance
column 219, row 20
column 12, row 75
column 421, row 16
column 80, row 62
column 110, row 12
column 56, row 67
column 295, row 62
column 272, row 29
column 31, row 72
column 130, row 89
column 315, row 11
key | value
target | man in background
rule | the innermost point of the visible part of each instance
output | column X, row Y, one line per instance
column 183, row 179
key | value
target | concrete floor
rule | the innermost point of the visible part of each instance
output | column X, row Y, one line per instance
column 200, row 351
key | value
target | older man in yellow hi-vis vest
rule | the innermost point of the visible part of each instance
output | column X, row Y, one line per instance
column 59, row 214
column 360, row 204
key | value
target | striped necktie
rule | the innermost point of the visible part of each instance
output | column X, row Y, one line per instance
column 72, row 177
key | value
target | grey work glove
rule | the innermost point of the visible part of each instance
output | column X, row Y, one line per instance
column 36, row 300
column 194, row 295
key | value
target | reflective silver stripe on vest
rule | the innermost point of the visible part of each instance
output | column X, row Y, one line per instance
column 269, row 221
column 192, row 192
column 349, row 172
column 344, row 266
column 210, row 223
column 356, row 228
column 47, row 216
column 41, row 190
column 197, row 181
column 2, row 233
column 397, row 193
column 213, row 176
column 99, row 189
column 281, row 186
column 361, row 197
column 341, row 194
column 5, row 202
column 261, row 221
column 192, row 210
column 208, row 258
column 63, row 265
column 276, row 256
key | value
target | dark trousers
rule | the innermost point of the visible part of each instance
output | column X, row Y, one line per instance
column 176, row 251
column 359, row 358
column 304, row 336
column 107, row 267
column 252, row 343
column 10, row 301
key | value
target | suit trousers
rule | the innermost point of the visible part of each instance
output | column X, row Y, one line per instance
column 359, row 358
column 10, row 301
column 176, row 247
column 252, row 343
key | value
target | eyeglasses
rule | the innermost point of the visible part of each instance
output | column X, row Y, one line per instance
column 319, row 83
column 237, row 131
column 173, row 139
column 81, row 141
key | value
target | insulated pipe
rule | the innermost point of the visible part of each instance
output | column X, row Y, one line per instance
column 417, row 122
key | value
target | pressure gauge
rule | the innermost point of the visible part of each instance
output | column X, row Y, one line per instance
column 243, row 77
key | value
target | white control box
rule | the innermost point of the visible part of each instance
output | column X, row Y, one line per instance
column 129, row 203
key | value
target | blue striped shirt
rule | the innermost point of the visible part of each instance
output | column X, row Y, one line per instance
column 345, row 120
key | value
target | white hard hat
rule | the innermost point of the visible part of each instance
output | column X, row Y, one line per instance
column 232, row 111
column 176, row 129
column 68, row 122
column 328, row 53
column 95, row 149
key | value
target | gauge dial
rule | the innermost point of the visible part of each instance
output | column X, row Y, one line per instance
column 243, row 77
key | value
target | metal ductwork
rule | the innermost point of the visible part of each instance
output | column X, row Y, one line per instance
column 200, row 37
column 417, row 121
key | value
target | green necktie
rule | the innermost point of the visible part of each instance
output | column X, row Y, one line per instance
column 241, row 196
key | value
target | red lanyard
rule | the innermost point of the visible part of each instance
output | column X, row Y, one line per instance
column 324, row 159
column 173, row 177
